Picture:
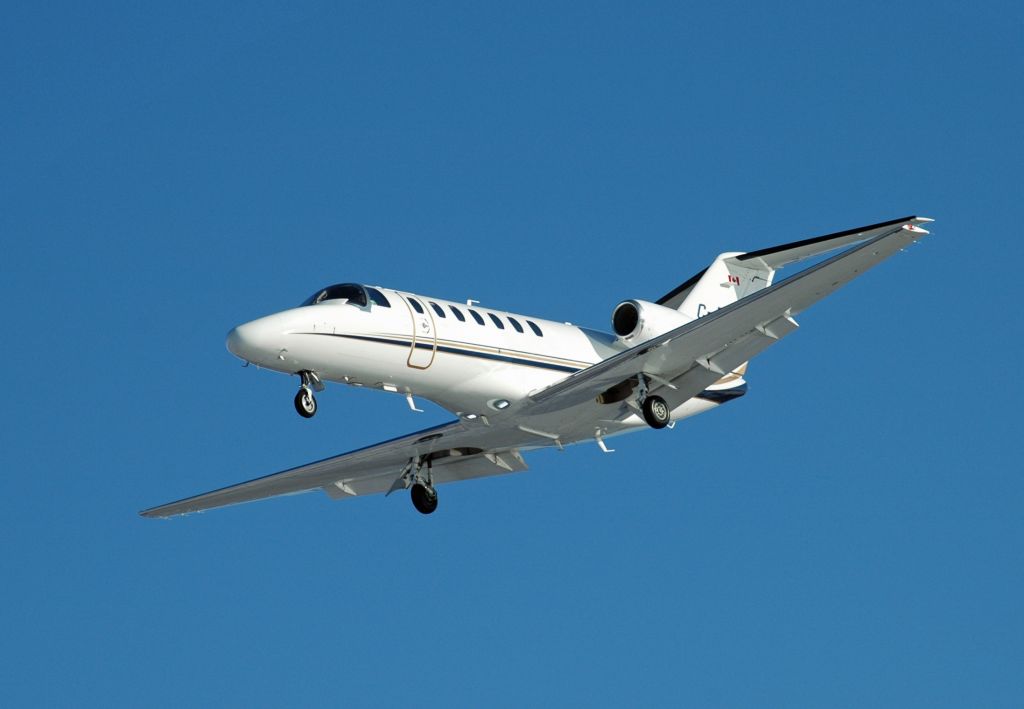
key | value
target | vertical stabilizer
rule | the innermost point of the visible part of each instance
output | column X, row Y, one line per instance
column 724, row 282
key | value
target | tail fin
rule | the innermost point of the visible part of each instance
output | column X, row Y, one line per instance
column 722, row 283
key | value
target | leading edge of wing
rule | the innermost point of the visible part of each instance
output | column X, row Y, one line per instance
column 675, row 297
column 833, row 268
column 294, row 480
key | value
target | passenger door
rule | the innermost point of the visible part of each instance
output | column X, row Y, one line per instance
column 424, row 334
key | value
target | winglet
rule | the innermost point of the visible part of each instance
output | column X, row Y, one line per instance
column 916, row 229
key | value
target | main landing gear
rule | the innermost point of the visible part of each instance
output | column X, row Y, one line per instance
column 656, row 412
column 424, row 498
column 420, row 484
column 422, row 492
column 305, row 401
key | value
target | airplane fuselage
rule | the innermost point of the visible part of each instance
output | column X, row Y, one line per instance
column 468, row 359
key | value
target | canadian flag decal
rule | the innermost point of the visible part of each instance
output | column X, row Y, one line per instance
column 735, row 280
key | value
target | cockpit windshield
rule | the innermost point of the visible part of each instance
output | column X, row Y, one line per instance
column 353, row 292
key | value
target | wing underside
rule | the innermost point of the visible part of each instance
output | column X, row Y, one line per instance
column 375, row 469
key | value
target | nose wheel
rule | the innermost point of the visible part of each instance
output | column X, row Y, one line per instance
column 305, row 400
column 305, row 403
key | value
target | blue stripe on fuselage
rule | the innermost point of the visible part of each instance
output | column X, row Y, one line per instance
column 453, row 350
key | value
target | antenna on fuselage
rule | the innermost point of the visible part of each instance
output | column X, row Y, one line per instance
column 470, row 301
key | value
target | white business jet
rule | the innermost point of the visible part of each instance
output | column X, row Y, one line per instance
column 516, row 382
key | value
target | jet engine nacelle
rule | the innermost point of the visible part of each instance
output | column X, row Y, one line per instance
column 636, row 321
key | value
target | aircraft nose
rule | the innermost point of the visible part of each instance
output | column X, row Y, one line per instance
column 234, row 342
column 249, row 341
column 264, row 341
column 239, row 341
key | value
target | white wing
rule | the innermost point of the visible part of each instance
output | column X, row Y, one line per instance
column 700, row 352
column 778, row 256
column 457, row 451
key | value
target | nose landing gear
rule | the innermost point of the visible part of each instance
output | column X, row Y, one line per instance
column 305, row 401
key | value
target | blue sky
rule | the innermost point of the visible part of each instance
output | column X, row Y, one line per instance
column 849, row 534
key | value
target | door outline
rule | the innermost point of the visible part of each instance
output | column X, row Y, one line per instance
column 418, row 322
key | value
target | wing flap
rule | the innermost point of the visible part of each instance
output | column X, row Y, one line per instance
column 480, row 466
column 736, row 353
column 444, row 470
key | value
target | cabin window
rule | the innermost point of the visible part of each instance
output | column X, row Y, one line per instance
column 437, row 309
column 515, row 324
column 378, row 298
column 476, row 316
column 497, row 321
column 536, row 330
column 416, row 305
column 457, row 313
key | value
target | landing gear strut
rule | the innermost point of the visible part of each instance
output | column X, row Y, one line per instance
column 305, row 401
column 422, row 492
column 419, row 484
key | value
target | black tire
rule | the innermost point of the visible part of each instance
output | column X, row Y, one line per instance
column 424, row 498
column 305, row 403
column 657, row 414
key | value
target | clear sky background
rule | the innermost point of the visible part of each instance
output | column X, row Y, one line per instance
column 849, row 534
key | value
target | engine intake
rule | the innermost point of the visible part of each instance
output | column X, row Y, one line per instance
column 636, row 321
